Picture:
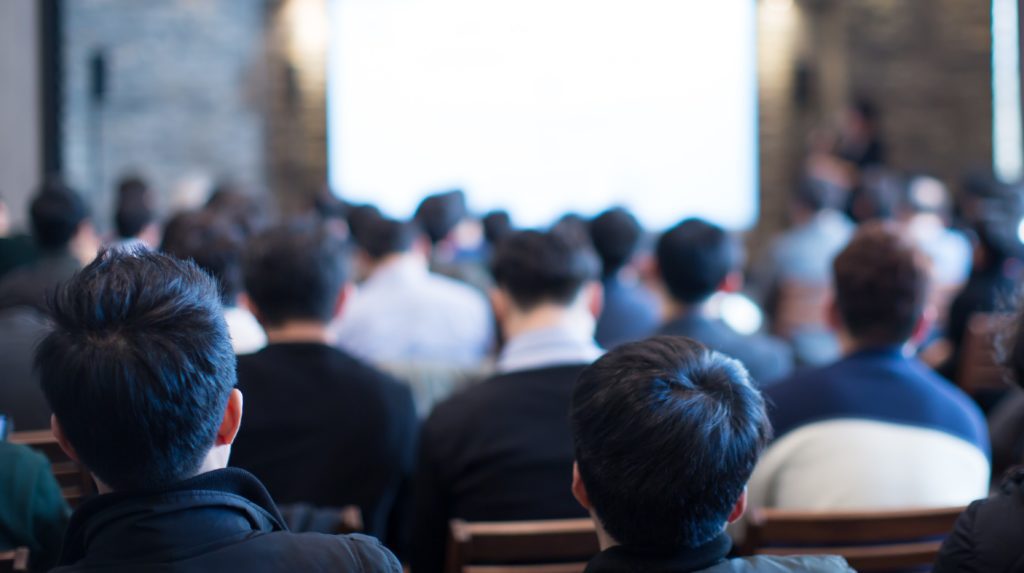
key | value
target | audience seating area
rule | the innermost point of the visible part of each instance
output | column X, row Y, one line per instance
column 549, row 546
column 75, row 481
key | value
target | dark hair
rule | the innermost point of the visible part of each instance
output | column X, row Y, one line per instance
column 666, row 434
column 497, row 225
column 817, row 194
column 294, row 271
column 694, row 257
column 536, row 267
column 438, row 214
column 866, row 109
column 382, row 236
column 573, row 227
column 881, row 285
column 615, row 234
column 360, row 219
column 213, row 243
column 138, row 367
column 134, row 211
column 56, row 212
column 238, row 206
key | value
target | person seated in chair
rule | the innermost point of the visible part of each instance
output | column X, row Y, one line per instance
column 666, row 433
column 140, row 375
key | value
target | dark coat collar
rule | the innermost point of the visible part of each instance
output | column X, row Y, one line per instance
column 621, row 559
column 215, row 507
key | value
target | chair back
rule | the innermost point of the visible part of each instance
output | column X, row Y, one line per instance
column 979, row 369
column 14, row 560
column 75, row 481
column 871, row 541
column 548, row 546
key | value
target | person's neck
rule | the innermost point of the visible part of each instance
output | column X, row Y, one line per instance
column 297, row 331
column 604, row 540
column 674, row 309
column 849, row 345
column 394, row 259
column 544, row 317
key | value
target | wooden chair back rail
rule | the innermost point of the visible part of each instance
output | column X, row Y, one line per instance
column 15, row 560
column 559, row 544
column 75, row 481
column 979, row 370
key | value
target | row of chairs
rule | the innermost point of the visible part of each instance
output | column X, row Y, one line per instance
column 870, row 541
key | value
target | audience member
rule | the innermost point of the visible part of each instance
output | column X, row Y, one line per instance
column 925, row 218
column 443, row 217
column 238, row 205
column 641, row 415
column 497, row 225
column 321, row 427
column 500, row 450
column 215, row 244
column 32, row 511
column 134, row 219
column 696, row 259
column 21, row 398
column 877, row 428
column 630, row 311
column 16, row 249
column 987, row 535
column 801, row 260
column 403, row 313
column 61, row 228
column 140, row 374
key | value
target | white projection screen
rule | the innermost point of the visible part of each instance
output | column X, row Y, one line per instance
column 543, row 107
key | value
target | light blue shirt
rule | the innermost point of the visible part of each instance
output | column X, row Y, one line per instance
column 403, row 313
column 554, row 346
column 805, row 253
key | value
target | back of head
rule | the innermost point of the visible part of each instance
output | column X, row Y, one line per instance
column 232, row 202
column 382, row 236
column 56, row 212
column 134, row 211
column 666, row 435
column 360, row 219
column 213, row 243
column 294, row 272
column 817, row 195
column 138, row 367
column 439, row 214
column 615, row 234
column 497, row 225
column 536, row 267
column 881, row 285
column 694, row 257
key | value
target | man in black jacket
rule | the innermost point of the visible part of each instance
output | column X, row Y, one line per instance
column 140, row 375
column 666, row 434
column 501, row 449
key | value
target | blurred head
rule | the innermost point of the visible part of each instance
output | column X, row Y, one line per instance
column 213, row 243
column 881, row 286
column 814, row 195
column 57, row 215
column 695, row 258
column 666, row 434
column 439, row 214
column 139, row 370
column 497, row 225
column 534, row 268
column 360, row 219
column 294, row 272
column 133, row 213
column 862, row 117
column 238, row 206
column 879, row 195
column 381, row 237
column 926, row 194
column 615, row 234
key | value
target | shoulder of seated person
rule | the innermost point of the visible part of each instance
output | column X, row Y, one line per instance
column 780, row 564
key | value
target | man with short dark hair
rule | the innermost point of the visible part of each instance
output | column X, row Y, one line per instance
column 134, row 218
column 877, row 428
column 695, row 260
column 322, row 427
column 666, row 433
column 500, row 450
column 630, row 311
column 405, row 314
column 140, row 374
column 215, row 244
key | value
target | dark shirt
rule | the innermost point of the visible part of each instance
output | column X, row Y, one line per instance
column 877, row 384
column 31, row 284
column 16, row 251
column 767, row 358
column 708, row 558
column 222, row 520
column 987, row 536
column 629, row 314
column 987, row 290
column 498, row 451
column 21, row 397
column 323, row 428
column 32, row 510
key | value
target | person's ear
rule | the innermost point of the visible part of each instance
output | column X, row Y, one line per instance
column 62, row 440
column 232, row 420
column 740, row 508
column 579, row 490
column 923, row 327
column 732, row 283
column 344, row 295
column 595, row 299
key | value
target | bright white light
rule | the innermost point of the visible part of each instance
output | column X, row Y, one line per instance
column 547, row 106
column 1020, row 231
column 1006, row 117
column 740, row 313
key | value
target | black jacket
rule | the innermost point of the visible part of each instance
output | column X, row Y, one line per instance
column 222, row 520
column 987, row 536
